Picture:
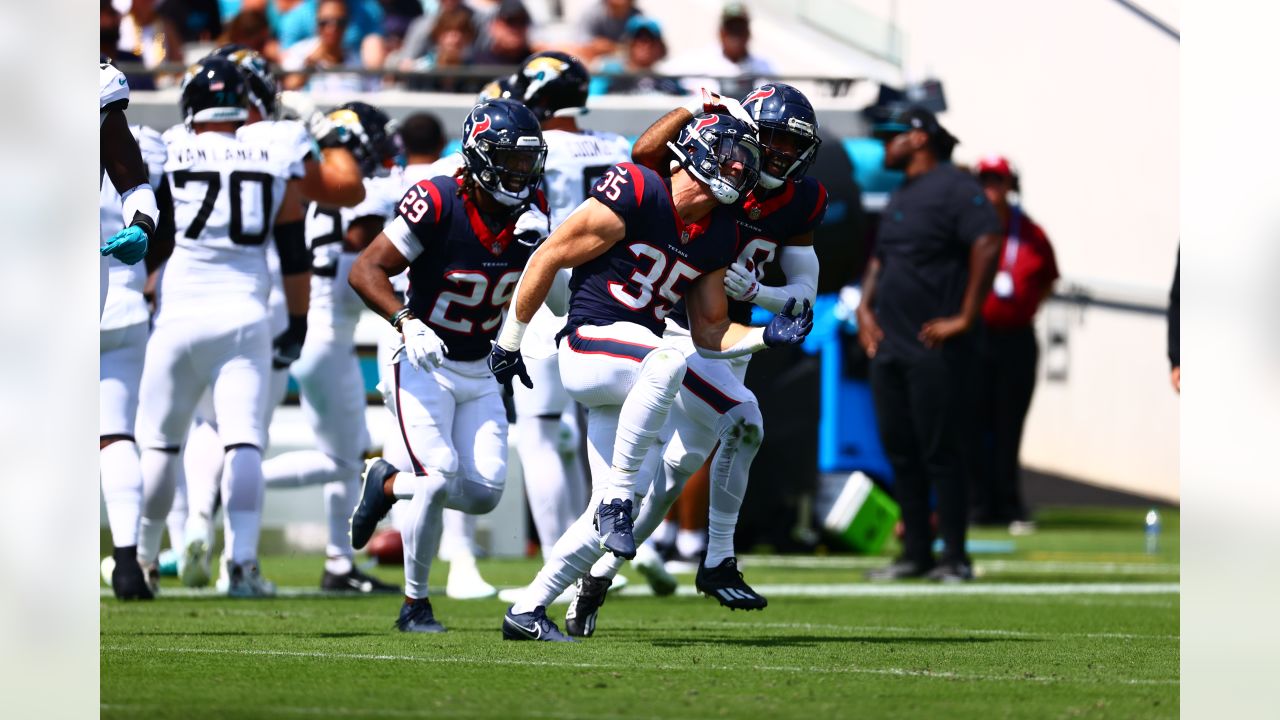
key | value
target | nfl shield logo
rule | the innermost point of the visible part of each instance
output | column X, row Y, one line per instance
column 755, row 213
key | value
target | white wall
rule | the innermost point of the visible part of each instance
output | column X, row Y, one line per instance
column 1083, row 96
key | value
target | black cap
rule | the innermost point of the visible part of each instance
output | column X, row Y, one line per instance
column 900, row 119
column 513, row 12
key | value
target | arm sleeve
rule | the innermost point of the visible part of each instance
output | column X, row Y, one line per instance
column 291, row 245
column 975, row 216
column 800, row 265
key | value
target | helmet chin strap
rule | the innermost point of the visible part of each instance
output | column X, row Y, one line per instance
column 770, row 182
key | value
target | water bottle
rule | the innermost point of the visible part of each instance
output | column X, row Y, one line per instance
column 1153, row 531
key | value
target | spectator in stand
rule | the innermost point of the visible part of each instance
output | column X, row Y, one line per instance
column 251, row 29
column 417, row 39
column 198, row 20
column 507, row 36
column 922, row 294
column 362, row 31
column 1008, row 354
column 109, row 47
column 642, row 49
column 326, row 51
column 604, row 24
column 1174, row 318
column 730, row 68
column 452, row 37
column 144, row 32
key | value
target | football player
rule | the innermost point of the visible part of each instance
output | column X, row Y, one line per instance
column 332, row 177
column 122, row 345
column 464, row 241
column 637, row 246
column 327, row 370
column 776, row 223
column 212, row 327
column 122, row 163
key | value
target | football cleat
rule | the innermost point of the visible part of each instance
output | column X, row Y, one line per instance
column 649, row 564
column 532, row 626
column 193, row 571
column 465, row 582
column 724, row 583
column 580, row 618
column 954, row 571
column 245, row 581
column 355, row 582
column 374, row 503
column 899, row 569
column 616, row 528
column 128, row 582
column 416, row 617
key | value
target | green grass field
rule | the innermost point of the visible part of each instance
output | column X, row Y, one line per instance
column 1077, row 621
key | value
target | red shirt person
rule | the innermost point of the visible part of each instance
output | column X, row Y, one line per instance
column 1024, row 279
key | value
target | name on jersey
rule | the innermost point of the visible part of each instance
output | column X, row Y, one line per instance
column 751, row 227
column 191, row 155
column 589, row 148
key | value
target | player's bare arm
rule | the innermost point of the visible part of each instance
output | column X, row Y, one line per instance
column 584, row 236
column 371, row 276
column 334, row 180
column 361, row 232
column 120, row 155
column 709, row 322
column 651, row 149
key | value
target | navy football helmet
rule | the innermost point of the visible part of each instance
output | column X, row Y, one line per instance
column 369, row 134
column 788, row 131
column 552, row 84
column 213, row 91
column 722, row 152
column 499, row 87
column 258, row 77
column 504, row 150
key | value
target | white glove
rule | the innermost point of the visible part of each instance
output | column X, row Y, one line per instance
column 422, row 347
column 709, row 102
column 532, row 227
column 299, row 106
column 740, row 283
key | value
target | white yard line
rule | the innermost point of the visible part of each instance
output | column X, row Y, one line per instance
column 1019, row 566
column 892, row 672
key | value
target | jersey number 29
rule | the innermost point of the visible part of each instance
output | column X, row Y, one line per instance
column 473, row 290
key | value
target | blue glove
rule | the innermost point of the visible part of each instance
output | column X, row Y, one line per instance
column 506, row 365
column 129, row 245
column 788, row 329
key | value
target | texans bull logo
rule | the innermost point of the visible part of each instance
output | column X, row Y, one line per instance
column 759, row 94
column 478, row 128
column 705, row 122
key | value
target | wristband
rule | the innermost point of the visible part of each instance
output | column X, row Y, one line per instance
column 401, row 315
column 511, row 334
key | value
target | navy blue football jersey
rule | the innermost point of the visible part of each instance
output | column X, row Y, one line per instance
column 645, row 275
column 766, row 225
column 466, row 273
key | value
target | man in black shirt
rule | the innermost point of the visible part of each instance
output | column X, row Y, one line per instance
column 931, row 268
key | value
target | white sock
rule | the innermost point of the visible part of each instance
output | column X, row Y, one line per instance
column 457, row 538
column 202, row 460
column 546, row 479
column 405, row 485
column 690, row 543
column 662, row 495
column 340, row 565
column 302, row 468
column 640, row 420
column 571, row 558
column 740, row 432
column 122, row 490
column 159, row 482
column 339, row 502
column 421, row 532
column 176, row 520
column 665, row 534
column 242, row 491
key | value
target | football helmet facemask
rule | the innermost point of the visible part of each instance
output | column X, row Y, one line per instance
column 722, row 152
column 788, row 131
column 504, row 150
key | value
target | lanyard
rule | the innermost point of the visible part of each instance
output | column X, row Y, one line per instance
column 1013, row 241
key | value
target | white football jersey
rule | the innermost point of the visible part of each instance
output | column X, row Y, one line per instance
column 113, row 91
column 226, row 193
column 576, row 160
column 125, row 305
column 333, row 302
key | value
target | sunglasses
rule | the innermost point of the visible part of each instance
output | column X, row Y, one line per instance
column 337, row 22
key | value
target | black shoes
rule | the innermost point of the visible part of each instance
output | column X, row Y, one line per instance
column 724, row 583
column 900, row 569
column 951, row 571
column 532, row 626
column 580, row 618
column 128, row 582
column 616, row 528
column 374, row 503
column 416, row 617
column 355, row 582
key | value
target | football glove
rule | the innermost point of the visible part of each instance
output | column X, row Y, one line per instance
column 299, row 106
column 129, row 245
column 506, row 365
column 740, row 282
column 287, row 347
column 706, row 101
column 532, row 227
column 787, row 328
column 422, row 347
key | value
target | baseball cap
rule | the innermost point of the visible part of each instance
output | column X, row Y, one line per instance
column 913, row 117
column 638, row 24
column 994, row 165
column 735, row 17
column 513, row 12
